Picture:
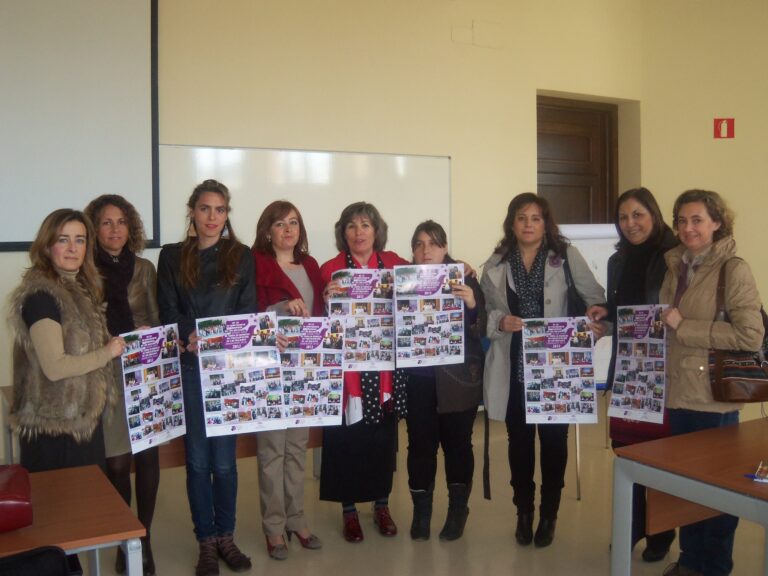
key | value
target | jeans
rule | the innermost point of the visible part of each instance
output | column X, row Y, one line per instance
column 706, row 546
column 211, row 467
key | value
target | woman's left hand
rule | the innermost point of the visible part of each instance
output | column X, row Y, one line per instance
column 466, row 294
column 468, row 270
column 282, row 342
column 672, row 317
column 598, row 329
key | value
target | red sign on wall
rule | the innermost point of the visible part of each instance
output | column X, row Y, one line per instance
column 725, row 127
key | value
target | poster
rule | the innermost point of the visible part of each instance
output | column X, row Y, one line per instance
column 240, row 374
column 639, row 386
column 154, row 401
column 364, row 308
column 559, row 375
column 313, row 378
column 429, row 319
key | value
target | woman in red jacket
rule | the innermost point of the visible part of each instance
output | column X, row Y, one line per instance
column 359, row 455
column 288, row 281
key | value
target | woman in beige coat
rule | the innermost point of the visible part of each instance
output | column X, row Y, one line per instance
column 705, row 225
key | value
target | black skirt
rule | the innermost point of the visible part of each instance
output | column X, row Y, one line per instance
column 358, row 461
column 47, row 452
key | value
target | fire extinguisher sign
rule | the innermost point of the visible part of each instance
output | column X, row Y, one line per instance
column 725, row 127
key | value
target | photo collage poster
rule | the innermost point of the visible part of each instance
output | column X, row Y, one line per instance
column 639, row 385
column 312, row 370
column 240, row 374
column 365, row 307
column 429, row 319
column 154, row 401
column 559, row 374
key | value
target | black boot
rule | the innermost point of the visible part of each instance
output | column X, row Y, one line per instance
column 658, row 546
column 458, row 496
column 147, row 559
column 545, row 532
column 524, row 532
column 422, row 514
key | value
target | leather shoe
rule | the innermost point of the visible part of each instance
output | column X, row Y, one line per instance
column 545, row 532
column 383, row 520
column 524, row 532
column 658, row 546
column 677, row 569
column 353, row 532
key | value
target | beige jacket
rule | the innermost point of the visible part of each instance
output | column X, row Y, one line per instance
column 688, row 346
column 494, row 285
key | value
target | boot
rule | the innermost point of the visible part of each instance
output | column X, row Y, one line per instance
column 458, row 496
column 147, row 560
column 422, row 514
column 524, row 532
column 231, row 554
column 208, row 559
column 545, row 532
column 120, row 561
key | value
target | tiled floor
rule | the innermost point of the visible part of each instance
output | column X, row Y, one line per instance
column 487, row 548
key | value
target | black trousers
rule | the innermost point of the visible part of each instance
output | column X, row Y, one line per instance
column 427, row 430
column 553, row 439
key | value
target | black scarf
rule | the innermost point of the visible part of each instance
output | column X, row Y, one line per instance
column 117, row 272
column 529, row 287
column 370, row 381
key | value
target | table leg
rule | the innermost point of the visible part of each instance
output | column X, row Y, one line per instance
column 93, row 562
column 578, row 463
column 765, row 551
column 132, row 550
column 621, row 535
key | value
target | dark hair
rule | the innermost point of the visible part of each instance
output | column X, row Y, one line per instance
column 230, row 249
column 278, row 210
column 716, row 208
column 356, row 210
column 48, row 234
column 646, row 198
column 136, row 238
column 554, row 240
column 435, row 232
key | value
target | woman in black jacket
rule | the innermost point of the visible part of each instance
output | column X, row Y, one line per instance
column 210, row 273
column 442, row 404
column 635, row 273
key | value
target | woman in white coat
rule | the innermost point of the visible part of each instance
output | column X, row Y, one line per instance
column 525, row 278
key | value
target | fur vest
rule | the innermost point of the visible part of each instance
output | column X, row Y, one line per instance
column 72, row 405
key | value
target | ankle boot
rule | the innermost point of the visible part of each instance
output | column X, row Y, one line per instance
column 208, row 559
column 545, row 532
column 231, row 554
column 422, row 514
column 524, row 531
column 120, row 561
column 458, row 496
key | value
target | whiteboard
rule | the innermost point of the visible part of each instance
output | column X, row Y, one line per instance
column 406, row 189
column 76, row 108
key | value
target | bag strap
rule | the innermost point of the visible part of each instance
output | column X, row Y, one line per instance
column 568, row 275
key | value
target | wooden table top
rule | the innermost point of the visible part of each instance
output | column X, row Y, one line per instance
column 719, row 456
column 73, row 508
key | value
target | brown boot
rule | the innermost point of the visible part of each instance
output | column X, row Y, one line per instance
column 231, row 554
column 208, row 560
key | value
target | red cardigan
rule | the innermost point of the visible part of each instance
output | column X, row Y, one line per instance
column 273, row 285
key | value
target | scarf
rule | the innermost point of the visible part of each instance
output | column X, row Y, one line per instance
column 117, row 272
column 529, row 287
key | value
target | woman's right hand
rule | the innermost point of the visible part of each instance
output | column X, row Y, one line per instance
column 192, row 341
column 510, row 323
column 296, row 307
column 116, row 346
column 332, row 288
column 596, row 312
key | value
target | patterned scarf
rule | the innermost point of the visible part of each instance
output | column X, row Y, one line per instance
column 529, row 287
column 370, row 381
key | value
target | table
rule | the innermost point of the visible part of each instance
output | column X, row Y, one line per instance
column 705, row 467
column 78, row 510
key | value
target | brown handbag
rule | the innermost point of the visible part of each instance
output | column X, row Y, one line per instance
column 735, row 375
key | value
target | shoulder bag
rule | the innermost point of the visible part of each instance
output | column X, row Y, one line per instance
column 735, row 375
column 576, row 304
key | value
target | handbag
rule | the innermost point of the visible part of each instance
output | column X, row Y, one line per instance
column 576, row 304
column 15, row 503
column 735, row 375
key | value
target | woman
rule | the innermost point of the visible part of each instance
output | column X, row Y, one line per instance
column 359, row 455
column 288, row 281
column 442, row 404
column 210, row 273
column 525, row 278
column 635, row 273
column 130, row 283
column 62, row 373
column 704, row 226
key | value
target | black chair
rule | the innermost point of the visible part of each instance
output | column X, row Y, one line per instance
column 43, row 561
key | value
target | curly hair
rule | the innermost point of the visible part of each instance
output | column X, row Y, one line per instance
column 278, row 210
column 554, row 240
column 136, row 237
column 716, row 207
column 357, row 210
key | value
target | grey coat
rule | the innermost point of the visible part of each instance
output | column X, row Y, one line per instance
column 496, row 274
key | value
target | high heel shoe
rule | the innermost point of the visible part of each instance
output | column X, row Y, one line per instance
column 311, row 542
column 277, row 551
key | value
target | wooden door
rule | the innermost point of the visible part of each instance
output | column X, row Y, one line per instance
column 577, row 159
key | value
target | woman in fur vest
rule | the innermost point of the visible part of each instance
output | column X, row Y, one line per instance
column 62, row 373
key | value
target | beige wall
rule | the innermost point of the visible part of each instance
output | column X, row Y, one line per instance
column 460, row 78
